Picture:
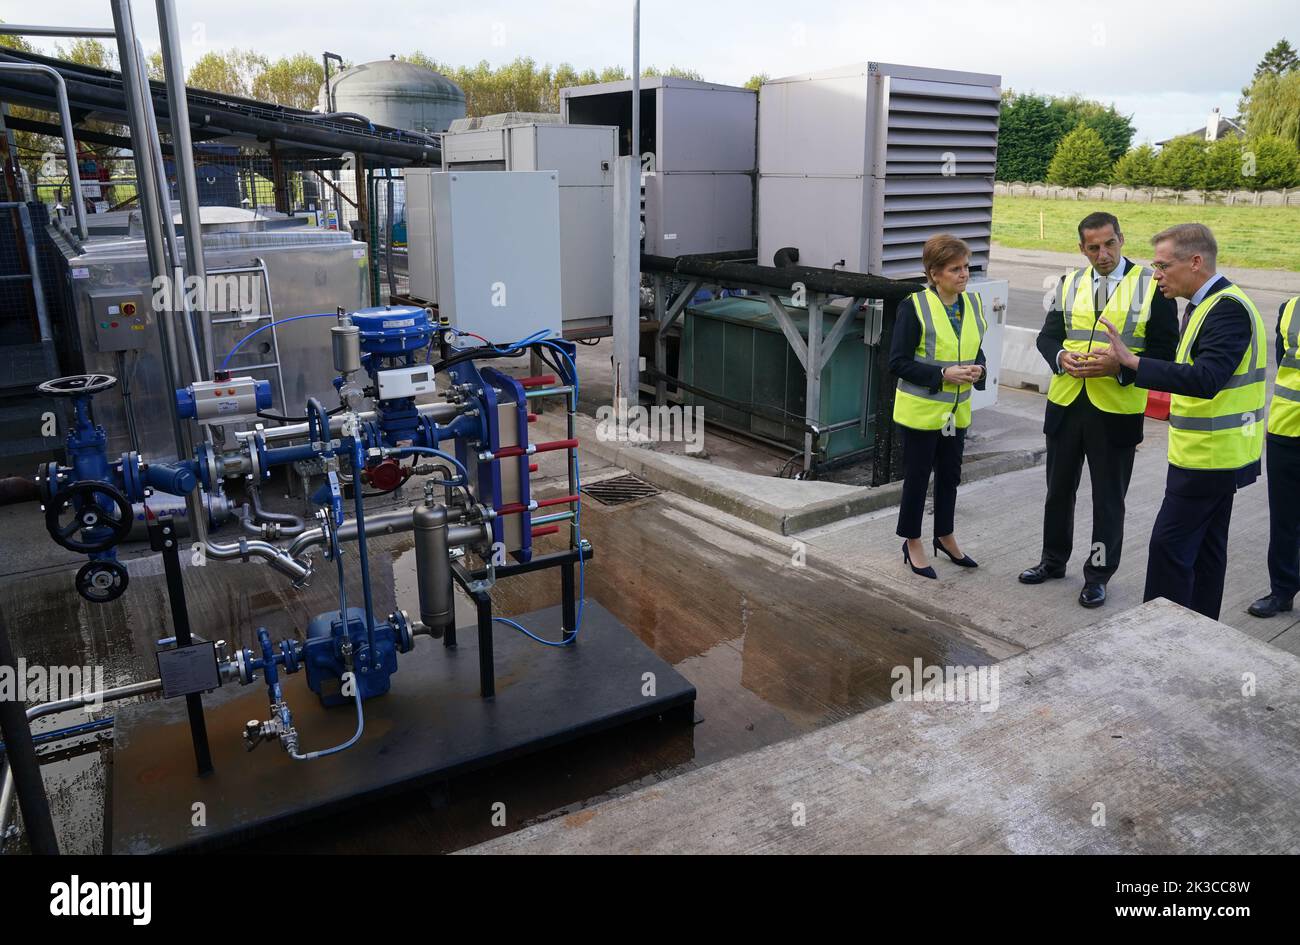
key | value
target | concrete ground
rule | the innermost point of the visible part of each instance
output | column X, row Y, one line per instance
column 1136, row 736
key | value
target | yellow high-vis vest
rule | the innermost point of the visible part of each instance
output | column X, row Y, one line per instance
column 1128, row 309
column 1225, row 431
column 1284, row 411
column 917, row 407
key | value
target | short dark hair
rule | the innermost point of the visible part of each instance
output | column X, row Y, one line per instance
column 1095, row 221
column 940, row 250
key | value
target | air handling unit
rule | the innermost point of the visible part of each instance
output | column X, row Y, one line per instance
column 698, row 158
column 858, row 165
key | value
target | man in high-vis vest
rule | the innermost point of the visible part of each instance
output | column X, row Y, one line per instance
column 1095, row 411
column 1216, row 417
column 1283, row 465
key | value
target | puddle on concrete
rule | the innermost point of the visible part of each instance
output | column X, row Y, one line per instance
column 773, row 649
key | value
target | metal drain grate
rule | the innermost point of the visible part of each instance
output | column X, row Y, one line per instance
column 619, row 490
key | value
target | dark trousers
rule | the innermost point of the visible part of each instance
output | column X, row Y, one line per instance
column 926, row 451
column 1284, row 516
column 1189, row 551
column 1082, row 435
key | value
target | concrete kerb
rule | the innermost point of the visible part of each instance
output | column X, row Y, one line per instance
column 782, row 506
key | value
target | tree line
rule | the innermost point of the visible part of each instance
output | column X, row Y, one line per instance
column 1071, row 140
column 1077, row 143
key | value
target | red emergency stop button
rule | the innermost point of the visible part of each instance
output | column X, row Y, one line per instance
column 129, row 308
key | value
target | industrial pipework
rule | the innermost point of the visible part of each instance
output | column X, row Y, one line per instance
column 477, row 497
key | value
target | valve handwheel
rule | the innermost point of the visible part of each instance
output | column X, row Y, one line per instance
column 102, row 581
column 75, row 385
column 88, row 513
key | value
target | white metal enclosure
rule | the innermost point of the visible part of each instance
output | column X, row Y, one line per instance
column 859, row 165
column 486, row 245
column 698, row 158
column 583, row 155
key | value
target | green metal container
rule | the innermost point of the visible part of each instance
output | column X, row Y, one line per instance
column 734, row 348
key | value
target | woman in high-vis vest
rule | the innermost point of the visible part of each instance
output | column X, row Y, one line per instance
column 938, row 359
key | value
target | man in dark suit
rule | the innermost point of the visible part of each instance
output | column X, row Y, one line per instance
column 1094, row 411
column 1216, row 417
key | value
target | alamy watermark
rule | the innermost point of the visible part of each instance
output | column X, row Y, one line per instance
column 622, row 423
column 238, row 293
column 36, row 683
column 920, row 683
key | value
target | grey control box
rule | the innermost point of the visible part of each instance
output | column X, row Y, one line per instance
column 121, row 319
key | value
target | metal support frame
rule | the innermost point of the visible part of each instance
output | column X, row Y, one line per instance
column 564, row 560
column 163, row 537
column 813, row 354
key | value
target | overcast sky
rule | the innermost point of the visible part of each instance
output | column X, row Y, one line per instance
column 1165, row 63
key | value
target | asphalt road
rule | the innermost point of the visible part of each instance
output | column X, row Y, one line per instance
column 1032, row 273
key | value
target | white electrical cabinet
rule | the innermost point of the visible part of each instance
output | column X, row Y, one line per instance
column 993, row 293
column 485, row 245
column 858, row 166
column 584, row 156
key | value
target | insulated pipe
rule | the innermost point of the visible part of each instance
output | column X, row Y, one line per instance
column 178, row 111
column 69, row 143
column 433, row 566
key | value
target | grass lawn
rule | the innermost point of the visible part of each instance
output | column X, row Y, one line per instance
column 1254, row 237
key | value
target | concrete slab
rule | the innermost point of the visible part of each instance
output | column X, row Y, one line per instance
column 788, row 506
column 1137, row 736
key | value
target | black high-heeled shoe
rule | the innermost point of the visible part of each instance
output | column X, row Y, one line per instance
column 924, row 572
column 966, row 561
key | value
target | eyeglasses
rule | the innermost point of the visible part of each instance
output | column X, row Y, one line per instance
column 1162, row 266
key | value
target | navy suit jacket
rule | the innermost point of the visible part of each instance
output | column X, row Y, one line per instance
column 1219, row 346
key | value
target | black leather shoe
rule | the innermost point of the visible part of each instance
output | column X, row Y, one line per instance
column 1092, row 595
column 966, row 561
column 1270, row 606
column 1039, row 573
column 924, row 572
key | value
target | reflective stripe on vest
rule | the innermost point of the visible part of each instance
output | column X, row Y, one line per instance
column 1284, row 411
column 919, row 407
column 1128, row 309
column 1227, row 430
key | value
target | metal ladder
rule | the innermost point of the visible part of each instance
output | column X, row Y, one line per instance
column 259, row 266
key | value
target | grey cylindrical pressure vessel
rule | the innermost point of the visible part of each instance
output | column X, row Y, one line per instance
column 346, row 340
column 433, row 566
